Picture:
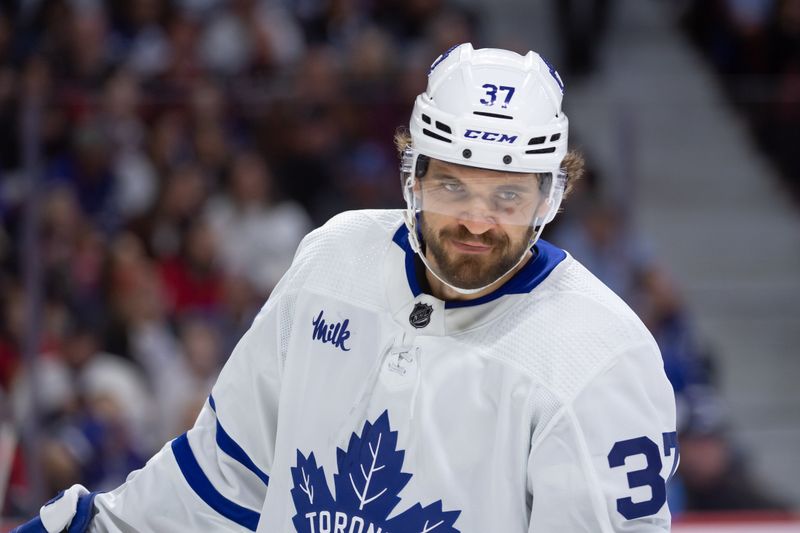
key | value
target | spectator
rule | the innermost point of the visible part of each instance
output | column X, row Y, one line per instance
column 600, row 239
column 181, row 199
column 88, row 172
column 258, row 234
column 135, row 184
column 193, row 278
column 714, row 472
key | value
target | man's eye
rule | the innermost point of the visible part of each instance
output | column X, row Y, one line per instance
column 507, row 196
column 453, row 187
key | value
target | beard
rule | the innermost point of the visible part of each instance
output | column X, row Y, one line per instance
column 472, row 271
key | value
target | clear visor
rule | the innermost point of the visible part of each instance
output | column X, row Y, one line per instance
column 485, row 199
column 475, row 225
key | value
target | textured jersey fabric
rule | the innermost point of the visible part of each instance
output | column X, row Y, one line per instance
column 357, row 403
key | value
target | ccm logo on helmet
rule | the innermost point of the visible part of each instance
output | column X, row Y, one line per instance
column 490, row 136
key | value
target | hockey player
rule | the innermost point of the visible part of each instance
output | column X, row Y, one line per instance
column 438, row 369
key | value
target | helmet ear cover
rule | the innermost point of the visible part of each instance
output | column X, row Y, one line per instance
column 422, row 165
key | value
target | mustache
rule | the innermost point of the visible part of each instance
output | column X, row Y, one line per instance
column 460, row 233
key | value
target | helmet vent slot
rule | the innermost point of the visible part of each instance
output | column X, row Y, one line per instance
column 537, row 140
column 542, row 150
column 555, row 137
column 429, row 133
column 426, row 119
column 492, row 115
column 444, row 127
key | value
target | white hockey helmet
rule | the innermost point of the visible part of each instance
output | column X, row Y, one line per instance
column 492, row 109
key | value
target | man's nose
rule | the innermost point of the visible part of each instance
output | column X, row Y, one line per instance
column 478, row 217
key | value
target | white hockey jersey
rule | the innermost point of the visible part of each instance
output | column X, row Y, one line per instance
column 356, row 403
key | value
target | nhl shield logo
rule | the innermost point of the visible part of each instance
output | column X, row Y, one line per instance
column 421, row 315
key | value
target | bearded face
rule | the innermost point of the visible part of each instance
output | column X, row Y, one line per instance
column 476, row 224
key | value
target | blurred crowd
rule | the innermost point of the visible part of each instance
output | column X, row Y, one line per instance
column 160, row 162
column 754, row 46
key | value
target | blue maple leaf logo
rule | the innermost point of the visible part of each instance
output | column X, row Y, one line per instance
column 368, row 484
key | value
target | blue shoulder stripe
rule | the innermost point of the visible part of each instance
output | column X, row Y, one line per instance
column 201, row 485
column 229, row 446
